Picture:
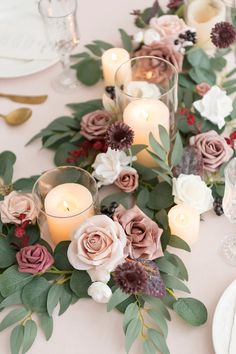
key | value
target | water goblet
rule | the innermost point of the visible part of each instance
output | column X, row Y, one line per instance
column 60, row 22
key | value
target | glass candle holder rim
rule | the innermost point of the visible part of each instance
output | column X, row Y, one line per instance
column 147, row 57
column 42, row 13
column 69, row 216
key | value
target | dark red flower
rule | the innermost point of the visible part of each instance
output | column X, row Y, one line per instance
column 119, row 136
column 191, row 120
column 183, row 111
column 175, row 4
column 223, row 34
column 19, row 231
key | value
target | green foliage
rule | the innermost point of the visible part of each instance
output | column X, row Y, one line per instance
column 53, row 297
column 34, row 295
column 126, row 40
column 13, row 317
column 119, row 197
column 131, row 313
column 117, row 297
column 16, row 339
column 88, row 71
column 161, row 197
column 79, row 283
column 46, row 323
column 178, row 242
column 30, row 333
column 7, row 254
column 174, row 283
column 13, row 299
column 7, row 161
column 158, row 340
column 191, row 310
column 25, row 184
column 65, row 298
column 11, row 280
column 132, row 332
column 60, row 256
column 159, row 320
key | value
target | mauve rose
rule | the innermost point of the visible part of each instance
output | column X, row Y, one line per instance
column 143, row 234
column 159, row 69
column 97, row 247
column 94, row 125
column 202, row 88
column 34, row 259
column 16, row 204
column 168, row 25
column 214, row 149
column 127, row 180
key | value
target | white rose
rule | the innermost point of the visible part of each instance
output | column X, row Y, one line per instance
column 151, row 36
column 100, row 292
column 192, row 190
column 215, row 106
column 142, row 89
column 138, row 37
column 107, row 166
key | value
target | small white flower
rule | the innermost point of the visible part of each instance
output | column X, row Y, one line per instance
column 138, row 37
column 192, row 190
column 151, row 36
column 107, row 166
column 142, row 89
column 100, row 292
column 215, row 106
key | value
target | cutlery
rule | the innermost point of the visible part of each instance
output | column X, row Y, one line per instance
column 25, row 99
column 18, row 116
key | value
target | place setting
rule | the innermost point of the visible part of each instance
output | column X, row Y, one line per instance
column 137, row 171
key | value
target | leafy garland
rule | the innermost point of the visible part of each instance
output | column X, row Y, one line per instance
column 62, row 284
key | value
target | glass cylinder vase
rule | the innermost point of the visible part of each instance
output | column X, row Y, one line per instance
column 146, row 97
column 65, row 197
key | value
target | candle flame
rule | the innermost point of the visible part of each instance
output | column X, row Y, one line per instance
column 113, row 57
column 149, row 75
column 66, row 205
column 182, row 217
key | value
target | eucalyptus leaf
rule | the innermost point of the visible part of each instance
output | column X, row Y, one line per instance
column 120, row 198
column 182, row 270
column 62, row 154
column 142, row 198
column 95, row 49
column 161, row 197
column 158, row 305
column 12, row 317
column 157, row 148
column 46, row 323
column 16, row 339
column 117, row 297
column 13, row 299
column 166, row 267
column 136, row 148
column 178, row 242
column 132, row 332
column 7, row 254
column 174, row 283
column 203, row 75
column 53, row 297
column 159, row 320
column 25, row 184
column 60, row 256
column 30, row 333
column 34, row 295
column 191, row 310
column 7, row 161
column 11, row 280
column 198, row 58
column 88, row 71
column 126, row 40
column 80, row 282
column 165, row 139
column 131, row 312
column 159, row 340
column 103, row 45
column 177, row 151
column 65, row 298
column 148, row 347
column 162, row 219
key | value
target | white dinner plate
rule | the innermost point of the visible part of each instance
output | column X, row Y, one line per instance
column 224, row 321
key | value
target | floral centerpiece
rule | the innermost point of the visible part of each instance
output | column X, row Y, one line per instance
column 121, row 256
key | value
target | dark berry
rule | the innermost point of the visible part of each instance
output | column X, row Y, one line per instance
column 112, row 209
column 109, row 89
column 114, row 204
column 218, row 210
column 104, row 209
column 176, row 42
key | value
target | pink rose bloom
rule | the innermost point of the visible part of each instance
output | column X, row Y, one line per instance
column 127, row 180
column 214, row 149
column 94, row 125
column 168, row 25
column 202, row 88
column 15, row 205
column 34, row 259
column 98, row 247
column 143, row 234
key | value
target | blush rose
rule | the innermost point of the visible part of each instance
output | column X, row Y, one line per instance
column 127, row 180
column 94, row 125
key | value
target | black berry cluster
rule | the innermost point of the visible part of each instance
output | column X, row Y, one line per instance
column 111, row 91
column 218, row 206
column 109, row 211
column 186, row 39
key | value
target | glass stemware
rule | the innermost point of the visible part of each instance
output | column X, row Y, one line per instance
column 229, row 207
column 60, row 22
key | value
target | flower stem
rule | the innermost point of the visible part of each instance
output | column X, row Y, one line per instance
column 141, row 318
column 170, row 292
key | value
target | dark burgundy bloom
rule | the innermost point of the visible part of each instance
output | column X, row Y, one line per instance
column 119, row 136
column 175, row 4
column 154, row 285
column 131, row 277
column 223, row 35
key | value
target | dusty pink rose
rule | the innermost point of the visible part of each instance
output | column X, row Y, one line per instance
column 214, row 149
column 159, row 69
column 18, row 207
column 143, row 234
column 94, row 125
column 34, row 259
column 98, row 247
column 127, row 180
column 168, row 25
column 202, row 88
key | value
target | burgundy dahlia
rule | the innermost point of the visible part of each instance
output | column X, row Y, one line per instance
column 223, row 35
column 119, row 136
column 154, row 286
column 131, row 277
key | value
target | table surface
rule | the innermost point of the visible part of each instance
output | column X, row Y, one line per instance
column 86, row 327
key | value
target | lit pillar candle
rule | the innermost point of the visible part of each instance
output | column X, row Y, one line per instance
column 145, row 116
column 111, row 60
column 184, row 221
column 203, row 15
column 66, row 207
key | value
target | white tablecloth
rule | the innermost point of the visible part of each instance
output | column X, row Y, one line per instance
column 87, row 328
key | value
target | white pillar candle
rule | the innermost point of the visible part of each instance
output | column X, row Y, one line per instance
column 145, row 116
column 111, row 60
column 66, row 207
column 184, row 221
column 203, row 16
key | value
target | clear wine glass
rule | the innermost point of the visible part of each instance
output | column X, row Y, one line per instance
column 229, row 207
column 59, row 17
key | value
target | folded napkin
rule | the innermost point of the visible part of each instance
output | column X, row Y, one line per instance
column 22, row 33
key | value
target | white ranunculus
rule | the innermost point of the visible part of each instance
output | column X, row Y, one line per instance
column 107, row 166
column 100, row 292
column 138, row 37
column 192, row 190
column 142, row 89
column 215, row 106
column 151, row 36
